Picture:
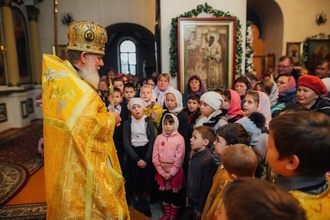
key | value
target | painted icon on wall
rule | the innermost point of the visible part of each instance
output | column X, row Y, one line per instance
column 22, row 46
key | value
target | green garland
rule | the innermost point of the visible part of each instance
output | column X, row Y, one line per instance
column 249, row 51
column 193, row 13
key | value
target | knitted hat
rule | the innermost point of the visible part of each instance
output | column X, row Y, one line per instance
column 213, row 99
column 251, row 128
column 87, row 36
column 138, row 101
column 312, row 82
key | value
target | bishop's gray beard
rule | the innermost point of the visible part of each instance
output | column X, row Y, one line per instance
column 90, row 76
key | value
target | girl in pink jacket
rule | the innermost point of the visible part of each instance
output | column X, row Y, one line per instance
column 167, row 156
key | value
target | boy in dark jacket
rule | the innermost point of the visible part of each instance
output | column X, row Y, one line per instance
column 201, row 169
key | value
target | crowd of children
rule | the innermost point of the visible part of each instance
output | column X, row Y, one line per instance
column 212, row 153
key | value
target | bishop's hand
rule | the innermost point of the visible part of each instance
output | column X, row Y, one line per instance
column 117, row 117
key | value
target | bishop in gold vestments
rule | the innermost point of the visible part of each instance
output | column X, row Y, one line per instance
column 82, row 171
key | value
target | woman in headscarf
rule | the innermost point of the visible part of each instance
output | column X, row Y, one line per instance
column 287, row 94
column 242, row 85
column 163, row 86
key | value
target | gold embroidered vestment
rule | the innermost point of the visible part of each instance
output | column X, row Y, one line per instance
column 82, row 171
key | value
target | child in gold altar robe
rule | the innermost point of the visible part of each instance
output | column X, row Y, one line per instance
column 252, row 198
column 227, row 135
column 238, row 161
column 298, row 151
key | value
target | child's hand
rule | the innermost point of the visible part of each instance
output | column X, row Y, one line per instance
column 142, row 164
column 168, row 177
column 164, row 175
column 153, row 115
column 187, row 201
column 199, row 215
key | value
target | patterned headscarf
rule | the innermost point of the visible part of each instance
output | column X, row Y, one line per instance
column 264, row 107
column 291, row 84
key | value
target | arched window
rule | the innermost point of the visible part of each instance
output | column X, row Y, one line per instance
column 141, row 42
column 128, row 57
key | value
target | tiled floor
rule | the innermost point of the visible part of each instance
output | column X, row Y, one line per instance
column 157, row 212
column 156, row 209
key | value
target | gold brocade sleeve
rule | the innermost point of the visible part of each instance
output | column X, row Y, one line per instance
column 78, row 145
column 316, row 206
column 156, row 109
column 220, row 181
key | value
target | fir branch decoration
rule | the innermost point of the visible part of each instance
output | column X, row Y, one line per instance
column 249, row 51
column 193, row 13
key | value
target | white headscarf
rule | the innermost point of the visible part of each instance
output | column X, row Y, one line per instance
column 176, row 122
column 273, row 96
column 138, row 101
column 153, row 94
column 264, row 107
column 178, row 98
